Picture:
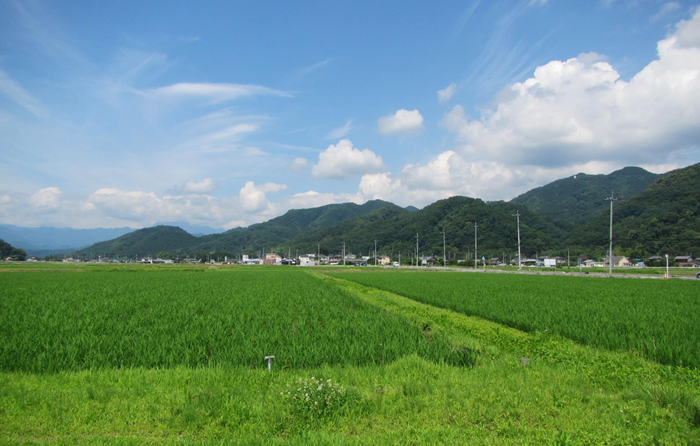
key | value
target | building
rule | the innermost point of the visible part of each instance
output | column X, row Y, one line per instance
column 383, row 260
column 272, row 259
column 684, row 261
column 618, row 261
column 307, row 260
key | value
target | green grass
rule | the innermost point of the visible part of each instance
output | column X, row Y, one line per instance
column 196, row 317
column 658, row 319
column 568, row 394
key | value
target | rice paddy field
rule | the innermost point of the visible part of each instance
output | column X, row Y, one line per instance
column 175, row 355
column 658, row 319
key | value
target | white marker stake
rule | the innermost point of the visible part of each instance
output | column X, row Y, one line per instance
column 269, row 362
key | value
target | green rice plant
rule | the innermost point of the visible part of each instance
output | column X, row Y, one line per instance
column 157, row 318
column 657, row 319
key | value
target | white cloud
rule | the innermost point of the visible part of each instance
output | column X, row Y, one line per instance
column 205, row 186
column 254, row 199
column 446, row 94
column 340, row 132
column 579, row 110
column 344, row 161
column 49, row 197
column 401, row 121
column 215, row 92
column 298, row 164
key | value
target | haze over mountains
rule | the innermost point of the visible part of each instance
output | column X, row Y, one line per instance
column 654, row 213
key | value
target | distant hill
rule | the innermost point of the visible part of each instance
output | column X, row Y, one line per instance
column 7, row 250
column 257, row 237
column 576, row 200
column 395, row 230
column 44, row 240
column 144, row 242
column 665, row 218
column 567, row 215
column 196, row 230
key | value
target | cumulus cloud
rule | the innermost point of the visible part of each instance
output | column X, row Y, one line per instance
column 344, row 161
column 401, row 121
column 298, row 164
column 253, row 198
column 575, row 111
column 49, row 198
column 205, row 186
column 214, row 92
column 445, row 94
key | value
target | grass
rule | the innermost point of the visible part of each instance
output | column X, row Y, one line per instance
column 567, row 394
column 658, row 319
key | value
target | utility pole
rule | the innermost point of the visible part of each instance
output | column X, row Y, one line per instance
column 417, row 249
column 444, row 259
column 476, row 260
column 318, row 255
column 343, row 253
column 520, row 259
column 611, row 199
column 375, row 252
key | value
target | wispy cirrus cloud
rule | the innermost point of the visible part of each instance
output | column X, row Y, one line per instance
column 303, row 72
column 341, row 131
column 10, row 88
column 215, row 92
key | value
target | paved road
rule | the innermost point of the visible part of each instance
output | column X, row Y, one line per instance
column 541, row 273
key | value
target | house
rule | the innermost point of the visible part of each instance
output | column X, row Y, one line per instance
column 427, row 260
column 494, row 261
column 307, row 260
column 618, row 261
column 272, row 259
column 684, row 261
column 383, row 260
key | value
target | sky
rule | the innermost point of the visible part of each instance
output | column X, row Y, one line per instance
column 226, row 114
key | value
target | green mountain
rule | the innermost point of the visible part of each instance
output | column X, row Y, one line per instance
column 576, row 200
column 569, row 214
column 144, row 242
column 7, row 250
column 395, row 230
column 665, row 218
column 267, row 235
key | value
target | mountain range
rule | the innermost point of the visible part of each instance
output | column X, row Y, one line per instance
column 655, row 214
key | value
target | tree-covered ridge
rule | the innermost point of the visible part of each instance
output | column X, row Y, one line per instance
column 662, row 219
column 665, row 218
column 7, row 250
column 395, row 230
column 576, row 200
column 145, row 242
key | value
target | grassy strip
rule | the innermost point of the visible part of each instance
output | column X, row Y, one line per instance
column 411, row 401
column 658, row 319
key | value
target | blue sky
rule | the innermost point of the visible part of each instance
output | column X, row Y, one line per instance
column 230, row 113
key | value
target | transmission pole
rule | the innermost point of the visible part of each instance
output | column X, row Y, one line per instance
column 375, row 252
column 417, row 249
column 476, row 259
column 611, row 199
column 444, row 259
column 520, row 259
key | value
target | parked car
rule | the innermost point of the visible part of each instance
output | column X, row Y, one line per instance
column 396, row 265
